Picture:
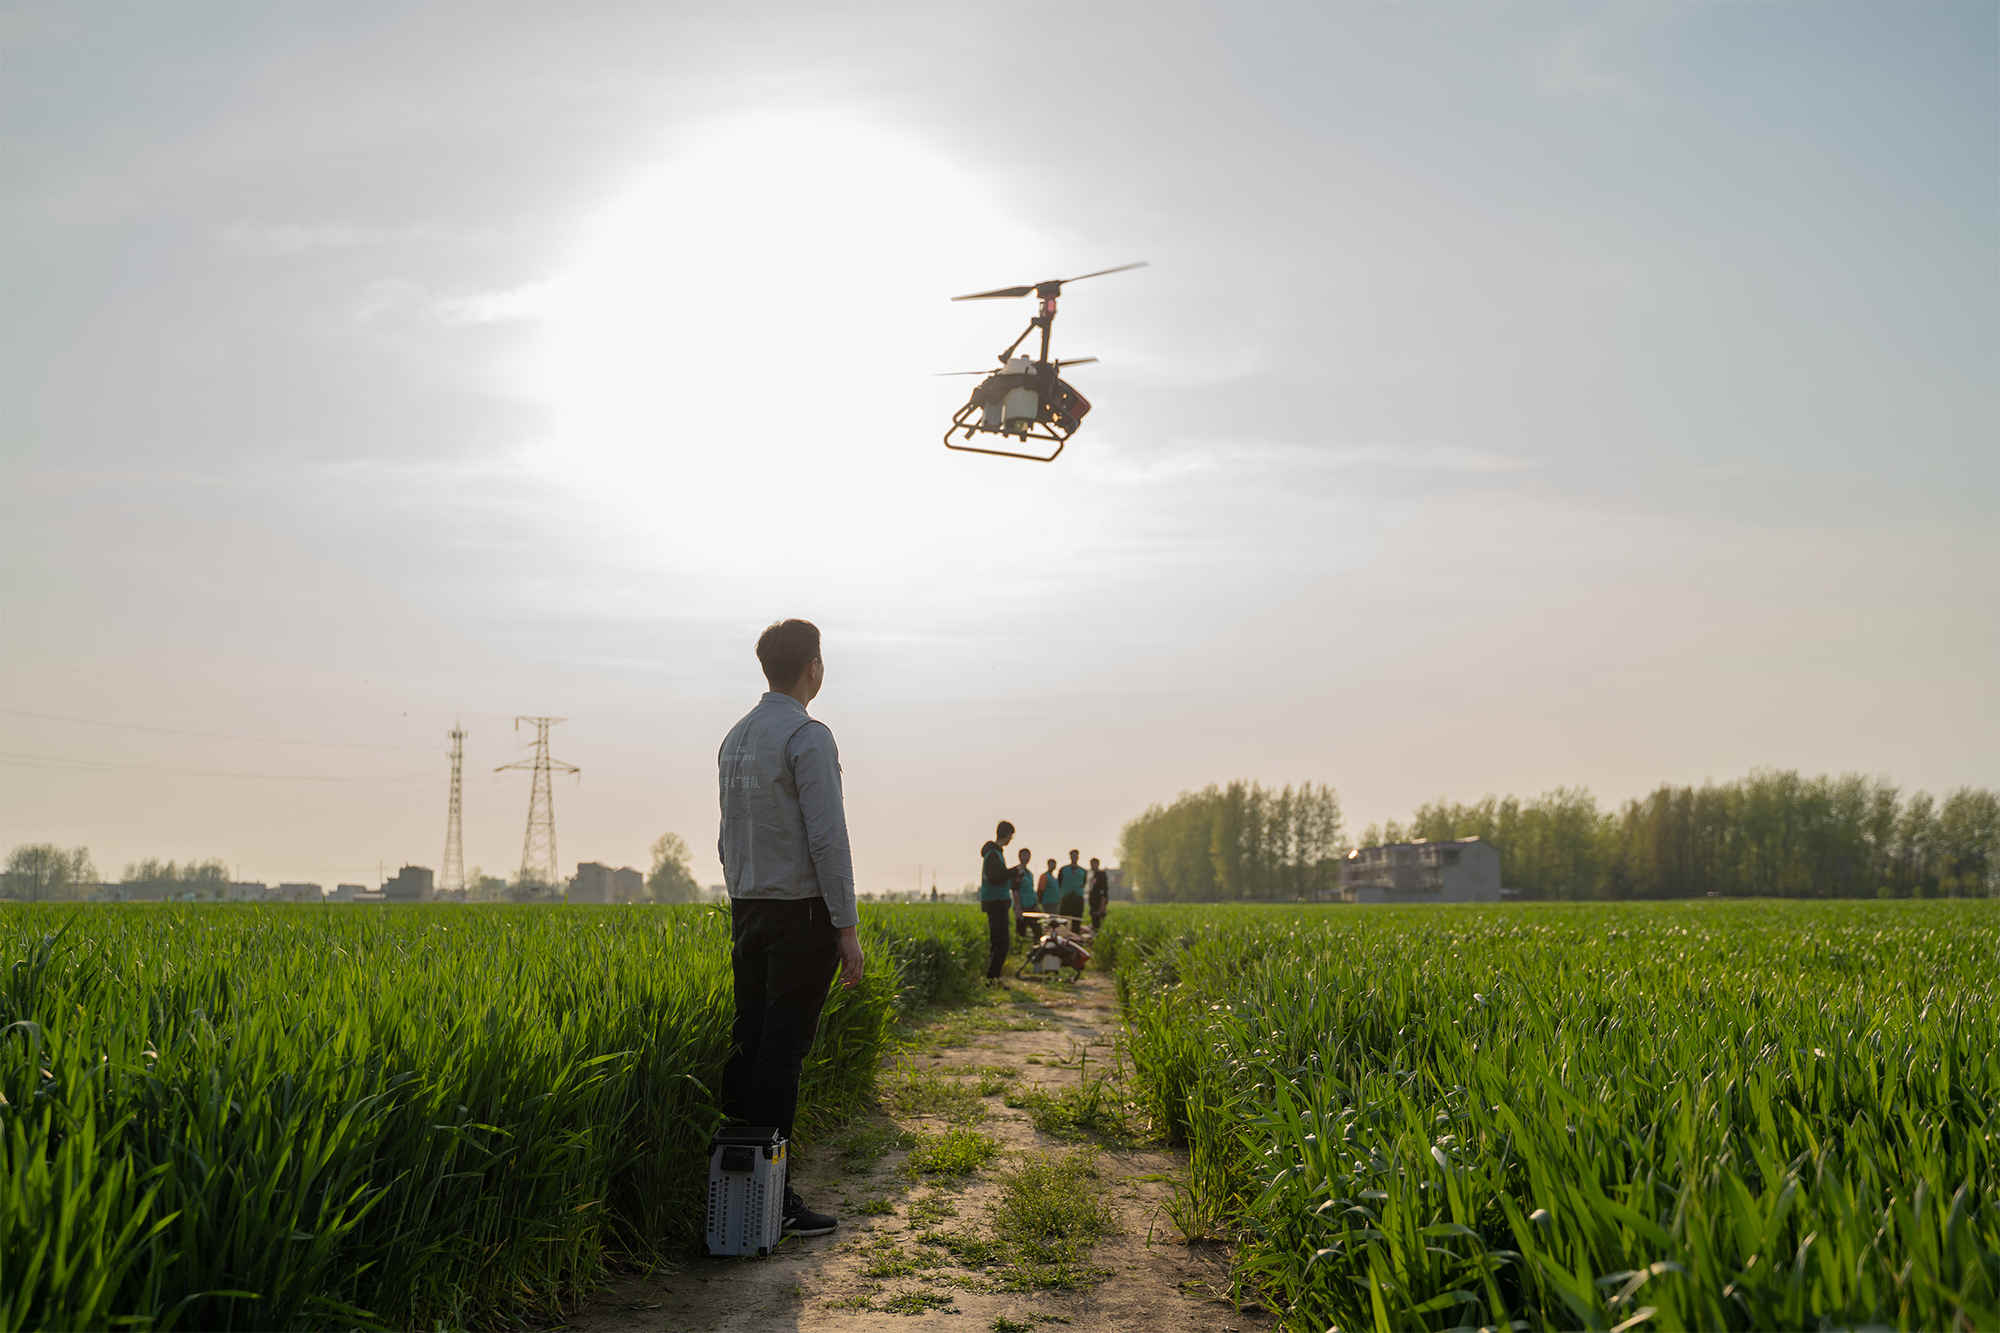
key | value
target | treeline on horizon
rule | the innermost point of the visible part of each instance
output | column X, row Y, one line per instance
column 42, row 870
column 1774, row 834
column 1237, row 842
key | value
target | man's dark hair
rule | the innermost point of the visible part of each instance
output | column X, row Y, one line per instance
column 1003, row 830
column 786, row 649
column 1074, row 853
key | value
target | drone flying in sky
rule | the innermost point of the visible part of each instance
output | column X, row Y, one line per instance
column 1025, row 399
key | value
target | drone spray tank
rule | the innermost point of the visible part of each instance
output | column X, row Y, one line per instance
column 1025, row 399
column 1019, row 406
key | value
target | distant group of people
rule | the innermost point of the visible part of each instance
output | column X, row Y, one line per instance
column 1064, row 891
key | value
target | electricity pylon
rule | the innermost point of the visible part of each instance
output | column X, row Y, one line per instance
column 452, row 878
column 538, row 844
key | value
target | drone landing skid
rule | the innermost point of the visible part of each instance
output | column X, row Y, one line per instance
column 1025, row 431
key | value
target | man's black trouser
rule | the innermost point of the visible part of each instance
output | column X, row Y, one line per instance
column 784, row 952
column 997, row 937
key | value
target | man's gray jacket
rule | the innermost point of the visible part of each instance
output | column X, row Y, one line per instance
column 784, row 827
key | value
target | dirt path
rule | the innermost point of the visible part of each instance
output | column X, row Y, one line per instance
column 1003, row 1185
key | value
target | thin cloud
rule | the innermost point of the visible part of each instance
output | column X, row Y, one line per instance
column 1192, row 458
column 530, row 301
column 1577, row 64
column 400, row 300
column 390, row 299
column 1426, row 458
column 286, row 240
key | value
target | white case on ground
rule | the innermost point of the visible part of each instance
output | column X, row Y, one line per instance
column 746, row 1191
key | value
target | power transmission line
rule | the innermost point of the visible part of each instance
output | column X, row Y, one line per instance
column 181, row 731
column 72, row 764
column 538, row 844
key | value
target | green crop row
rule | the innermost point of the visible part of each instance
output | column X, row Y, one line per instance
column 1727, row 1115
column 269, row 1117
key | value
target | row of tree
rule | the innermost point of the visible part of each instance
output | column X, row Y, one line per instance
column 207, row 877
column 38, row 871
column 1233, row 842
column 41, row 871
column 1773, row 834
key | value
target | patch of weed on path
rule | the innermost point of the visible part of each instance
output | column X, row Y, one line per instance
column 862, row 1145
column 956, row 1152
column 1094, row 1109
column 910, row 1092
column 1049, row 1215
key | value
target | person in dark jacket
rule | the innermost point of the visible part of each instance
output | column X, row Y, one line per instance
column 1100, row 895
column 996, row 894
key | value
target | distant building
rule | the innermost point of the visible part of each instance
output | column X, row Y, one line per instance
column 1465, row 870
column 244, row 893
column 141, row 891
column 595, row 883
column 592, row 883
column 295, row 893
column 411, row 884
column 348, row 893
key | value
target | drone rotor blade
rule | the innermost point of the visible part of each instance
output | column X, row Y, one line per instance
column 941, row 373
column 996, row 293
column 1077, row 361
column 1101, row 272
column 1002, row 293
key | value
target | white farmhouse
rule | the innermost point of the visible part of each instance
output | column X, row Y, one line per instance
column 1464, row 870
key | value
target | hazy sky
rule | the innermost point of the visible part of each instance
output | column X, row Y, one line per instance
column 1520, row 395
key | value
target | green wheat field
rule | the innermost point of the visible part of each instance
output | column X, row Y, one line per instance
column 1688, row 1115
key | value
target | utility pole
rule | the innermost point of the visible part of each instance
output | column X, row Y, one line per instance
column 538, row 844
column 452, row 878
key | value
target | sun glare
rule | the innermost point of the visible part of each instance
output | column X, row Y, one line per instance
column 737, row 324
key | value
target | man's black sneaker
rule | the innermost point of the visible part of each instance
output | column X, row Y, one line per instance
column 803, row 1221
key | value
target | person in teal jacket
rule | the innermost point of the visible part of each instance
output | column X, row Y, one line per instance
column 1070, row 881
column 1024, row 896
column 1046, row 888
column 996, row 892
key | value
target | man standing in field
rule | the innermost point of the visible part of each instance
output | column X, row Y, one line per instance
column 1071, row 880
column 1045, row 888
column 791, row 889
column 1100, row 895
column 996, row 882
